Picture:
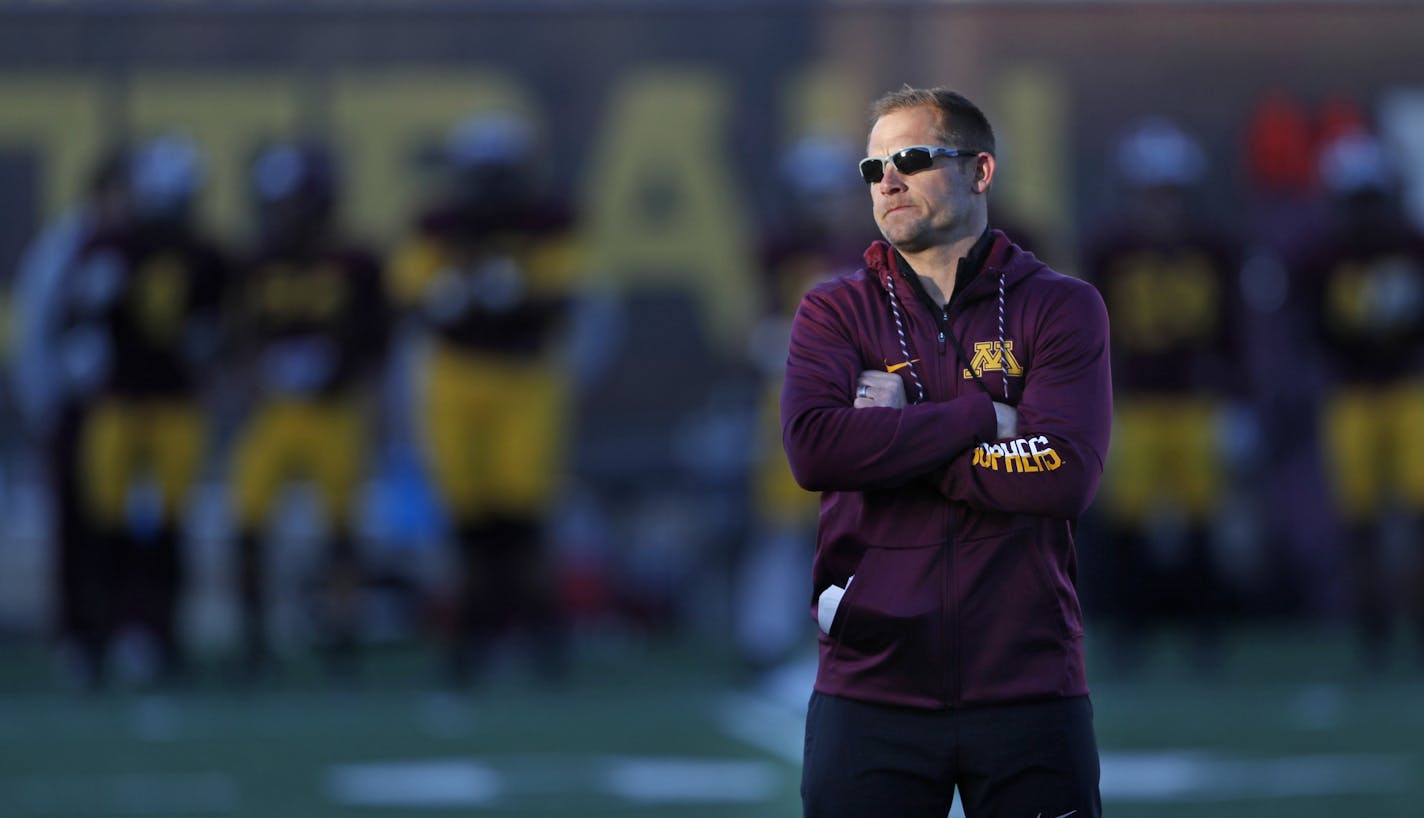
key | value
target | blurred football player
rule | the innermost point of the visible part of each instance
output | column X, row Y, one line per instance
column 1366, row 283
column 142, row 324
column 50, row 408
column 820, row 233
column 1171, row 285
column 488, row 276
column 310, row 324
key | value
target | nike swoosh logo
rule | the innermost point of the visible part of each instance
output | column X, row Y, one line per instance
column 899, row 366
column 1064, row 815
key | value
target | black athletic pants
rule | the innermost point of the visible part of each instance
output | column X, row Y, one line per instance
column 1032, row 760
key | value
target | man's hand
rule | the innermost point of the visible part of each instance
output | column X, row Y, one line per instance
column 875, row 387
column 1008, row 418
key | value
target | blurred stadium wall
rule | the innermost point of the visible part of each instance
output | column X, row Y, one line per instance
column 665, row 120
column 664, row 117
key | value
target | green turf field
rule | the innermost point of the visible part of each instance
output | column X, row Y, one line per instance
column 1287, row 727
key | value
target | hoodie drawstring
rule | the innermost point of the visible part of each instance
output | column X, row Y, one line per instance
column 1003, row 348
column 904, row 341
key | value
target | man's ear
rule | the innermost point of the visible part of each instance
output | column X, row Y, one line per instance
column 983, row 172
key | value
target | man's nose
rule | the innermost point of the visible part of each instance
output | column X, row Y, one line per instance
column 890, row 179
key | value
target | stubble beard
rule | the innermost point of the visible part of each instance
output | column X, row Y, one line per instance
column 920, row 234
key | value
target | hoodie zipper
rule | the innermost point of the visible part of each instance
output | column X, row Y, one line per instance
column 950, row 606
column 953, row 666
column 950, row 602
column 940, row 314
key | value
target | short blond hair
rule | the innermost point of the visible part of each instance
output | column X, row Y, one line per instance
column 961, row 123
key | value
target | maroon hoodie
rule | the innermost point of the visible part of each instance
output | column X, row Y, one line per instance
column 961, row 545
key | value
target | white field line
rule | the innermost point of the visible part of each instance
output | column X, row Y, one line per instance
column 1199, row 776
column 692, row 780
column 471, row 782
column 425, row 783
column 772, row 728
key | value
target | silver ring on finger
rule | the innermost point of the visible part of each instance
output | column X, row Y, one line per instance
column 863, row 391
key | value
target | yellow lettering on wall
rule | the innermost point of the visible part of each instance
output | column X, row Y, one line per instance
column 825, row 98
column 1033, row 185
column 229, row 116
column 382, row 120
column 662, row 205
column 58, row 118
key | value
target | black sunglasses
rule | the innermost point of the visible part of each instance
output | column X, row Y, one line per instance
column 908, row 160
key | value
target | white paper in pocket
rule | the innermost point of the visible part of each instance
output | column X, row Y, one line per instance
column 828, row 602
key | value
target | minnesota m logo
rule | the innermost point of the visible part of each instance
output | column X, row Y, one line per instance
column 990, row 357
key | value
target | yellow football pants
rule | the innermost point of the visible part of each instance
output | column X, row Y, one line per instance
column 1165, row 453
column 324, row 442
column 777, row 497
column 1374, row 448
column 494, row 432
column 123, row 440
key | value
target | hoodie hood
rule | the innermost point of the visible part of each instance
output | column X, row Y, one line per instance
column 1004, row 260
